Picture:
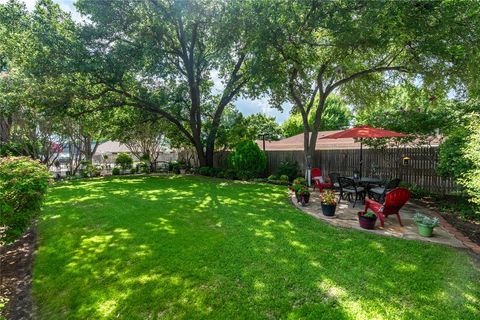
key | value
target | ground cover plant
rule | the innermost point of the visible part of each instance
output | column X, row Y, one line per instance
column 194, row 247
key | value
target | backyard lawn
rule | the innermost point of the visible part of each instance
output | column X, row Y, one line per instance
column 193, row 247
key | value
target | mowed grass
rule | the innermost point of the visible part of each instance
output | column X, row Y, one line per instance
column 197, row 248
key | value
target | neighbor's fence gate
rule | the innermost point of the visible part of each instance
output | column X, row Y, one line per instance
column 387, row 163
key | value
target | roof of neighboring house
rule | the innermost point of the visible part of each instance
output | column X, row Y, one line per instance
column 111, row 147
column 296, row 143
column 117, row 147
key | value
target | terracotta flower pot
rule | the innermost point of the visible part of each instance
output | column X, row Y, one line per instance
column 366, row 222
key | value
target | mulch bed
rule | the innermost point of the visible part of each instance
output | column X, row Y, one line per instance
column 16, row 262
column 469, row 229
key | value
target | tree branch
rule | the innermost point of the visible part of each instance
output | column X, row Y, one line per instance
column 363, row 73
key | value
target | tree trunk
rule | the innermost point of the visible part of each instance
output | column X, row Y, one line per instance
column 209, row 152
column 316, row 126
column 87, row 149
column 306, row 137
column 202, row 159
column 5, row 129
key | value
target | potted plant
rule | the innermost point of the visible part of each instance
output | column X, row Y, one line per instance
column 304, row 195
column 329, row 203
column 367, row 219
column 296, row 186
column 425, row 224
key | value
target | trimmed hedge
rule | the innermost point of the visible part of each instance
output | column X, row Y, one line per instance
column 23, row 184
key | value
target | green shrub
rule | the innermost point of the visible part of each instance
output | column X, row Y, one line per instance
column 416, row 191
column 451, row 159
column 230, row 174
column 216, row 172
column 278, row 182
column 471, row 178
column 272, row 177
column 205, row 171
column 247, row 160
column 142, row 167
column 245, row 175
column 284, row 178
column 182, row 164
column 288, row 168
column 171, row 165
column 124, row 160
column 89, row 170
column 23, row 183
column 116, row 171
column 13, row 149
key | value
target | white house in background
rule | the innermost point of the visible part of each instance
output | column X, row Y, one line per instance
column 108, row 151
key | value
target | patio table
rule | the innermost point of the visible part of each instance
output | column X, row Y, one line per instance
column 367, row 181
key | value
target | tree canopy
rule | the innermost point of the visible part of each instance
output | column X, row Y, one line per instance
column 337, row 116
column 309, row 49
column 186, row 61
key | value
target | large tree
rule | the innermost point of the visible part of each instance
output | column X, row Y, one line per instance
column 156, row 55
column 307, row 50
column 13, row 22
column 160, row 56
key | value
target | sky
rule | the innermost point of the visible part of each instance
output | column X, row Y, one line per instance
column 245, row 105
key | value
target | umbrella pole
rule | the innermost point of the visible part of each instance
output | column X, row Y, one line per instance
column 361, row 152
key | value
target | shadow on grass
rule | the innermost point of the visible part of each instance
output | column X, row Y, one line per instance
column 190, row 247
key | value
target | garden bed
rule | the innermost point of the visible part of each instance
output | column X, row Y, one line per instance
column 16, row 262
column 453, row 209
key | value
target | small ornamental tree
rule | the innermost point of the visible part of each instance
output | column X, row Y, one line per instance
column 124, row 160
column 247, row 160
column 23, row 183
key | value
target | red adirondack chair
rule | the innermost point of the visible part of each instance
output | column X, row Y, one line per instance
column 394, row 200
column 317, row 172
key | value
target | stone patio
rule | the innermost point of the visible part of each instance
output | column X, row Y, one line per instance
column 346, row 217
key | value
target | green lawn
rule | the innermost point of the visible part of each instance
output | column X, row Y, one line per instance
column 191, row 247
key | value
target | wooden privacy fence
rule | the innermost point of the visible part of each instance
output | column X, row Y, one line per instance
column 387, row 163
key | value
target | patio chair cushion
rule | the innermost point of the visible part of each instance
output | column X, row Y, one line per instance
column 378, row 190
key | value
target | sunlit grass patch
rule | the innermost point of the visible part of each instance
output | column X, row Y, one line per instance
column 192, row 247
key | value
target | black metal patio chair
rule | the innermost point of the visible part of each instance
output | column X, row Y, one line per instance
column 349, row 187
column 378, row 193
column 334, row 180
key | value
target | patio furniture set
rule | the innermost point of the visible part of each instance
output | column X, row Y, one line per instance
column 384, row 199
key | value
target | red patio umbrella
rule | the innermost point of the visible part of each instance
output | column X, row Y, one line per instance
column 362, row 132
